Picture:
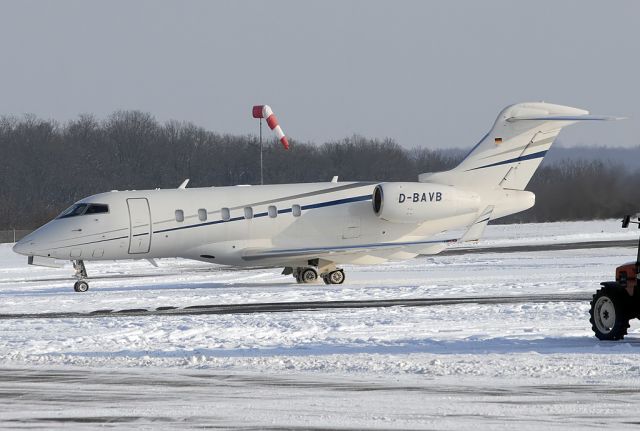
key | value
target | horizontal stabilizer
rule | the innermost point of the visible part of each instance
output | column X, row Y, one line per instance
column 564, row 118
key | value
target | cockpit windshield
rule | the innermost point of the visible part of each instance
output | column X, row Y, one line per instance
column 82, row 209
column 97, row 209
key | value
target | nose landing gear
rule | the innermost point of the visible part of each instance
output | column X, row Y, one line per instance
column 81, row 274
column 81, row 286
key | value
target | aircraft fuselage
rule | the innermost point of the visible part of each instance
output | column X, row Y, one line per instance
column 226, row 224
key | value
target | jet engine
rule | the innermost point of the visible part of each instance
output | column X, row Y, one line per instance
column 420, row 202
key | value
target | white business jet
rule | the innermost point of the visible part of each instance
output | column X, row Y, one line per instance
column 311, row 229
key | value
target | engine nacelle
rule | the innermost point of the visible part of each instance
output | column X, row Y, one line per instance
column 419, row 202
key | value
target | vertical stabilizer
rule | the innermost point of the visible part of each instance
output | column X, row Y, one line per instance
column 508, row 156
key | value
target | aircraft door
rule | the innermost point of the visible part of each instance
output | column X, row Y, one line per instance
column 139, row 225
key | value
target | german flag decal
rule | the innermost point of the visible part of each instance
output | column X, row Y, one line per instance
column 498, row 141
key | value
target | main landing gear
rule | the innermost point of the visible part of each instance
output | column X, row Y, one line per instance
column 334, row 277
column 81, row 274
column 311, row 274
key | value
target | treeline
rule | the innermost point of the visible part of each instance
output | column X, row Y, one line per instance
column 582, row 190
column 45, row 166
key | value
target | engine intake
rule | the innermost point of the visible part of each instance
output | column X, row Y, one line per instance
column 420, row 202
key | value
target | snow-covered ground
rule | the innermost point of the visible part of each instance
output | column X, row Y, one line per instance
column 440, row 366
column 556, row 233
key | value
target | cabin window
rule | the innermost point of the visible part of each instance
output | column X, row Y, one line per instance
column 248, row 213
column 202, row 214
column 296, row 210
column 97, row 209
column 179, row 216
column 225, row 214
column 273, row 211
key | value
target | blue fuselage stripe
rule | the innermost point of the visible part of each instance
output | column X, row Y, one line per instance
column 514, row 160
column 282, row 211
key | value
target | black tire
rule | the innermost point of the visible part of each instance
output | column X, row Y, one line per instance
column 336, row 277
column 309, row 275
column 81, row 286
column 609, row 314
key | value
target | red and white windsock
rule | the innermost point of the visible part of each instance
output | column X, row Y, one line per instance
column 264, row 111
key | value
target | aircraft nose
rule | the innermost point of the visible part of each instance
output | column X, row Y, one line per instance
column 24, row 246
column 20, row 247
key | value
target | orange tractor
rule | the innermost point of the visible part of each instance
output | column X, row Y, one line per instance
column 617, row 301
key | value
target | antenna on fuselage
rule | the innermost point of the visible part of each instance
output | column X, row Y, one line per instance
column 184, row 184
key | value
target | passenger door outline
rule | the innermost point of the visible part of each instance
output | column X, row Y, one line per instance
column 139, row 225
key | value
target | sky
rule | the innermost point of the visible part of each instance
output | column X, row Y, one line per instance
column 426, row 74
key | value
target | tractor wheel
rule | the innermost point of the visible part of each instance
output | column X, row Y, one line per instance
column 608, row 314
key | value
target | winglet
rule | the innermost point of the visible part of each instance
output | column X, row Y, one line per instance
column 475, row 231
column 184, row 184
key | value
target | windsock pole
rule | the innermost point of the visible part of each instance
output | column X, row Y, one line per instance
column 264, row 111
column 261, row 177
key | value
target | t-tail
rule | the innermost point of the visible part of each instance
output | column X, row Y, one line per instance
column 501, row 165
column 508, row 156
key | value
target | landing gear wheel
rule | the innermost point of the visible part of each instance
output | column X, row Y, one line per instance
column 608, row 316
column 334, row 277
column 81, row 286
column 308, row 275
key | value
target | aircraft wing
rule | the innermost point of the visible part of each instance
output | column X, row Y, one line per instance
column 380, row 250
column 417, row 247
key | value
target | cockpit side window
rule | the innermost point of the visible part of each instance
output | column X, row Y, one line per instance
column 97, row 209
column 74, row 210
column 82, row 209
